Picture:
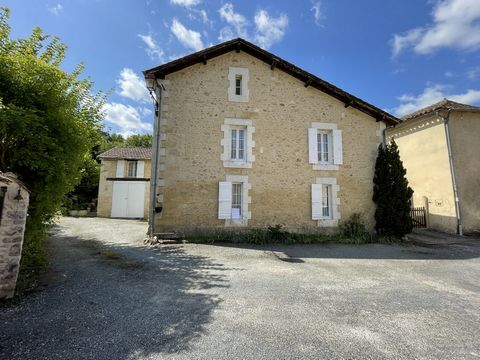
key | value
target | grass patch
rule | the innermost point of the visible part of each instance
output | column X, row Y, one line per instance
column 33, row 262
column 279, row 236
column 351, row 231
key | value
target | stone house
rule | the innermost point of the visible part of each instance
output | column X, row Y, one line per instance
column 124, row 186
column 440, row 148
column 242, row 138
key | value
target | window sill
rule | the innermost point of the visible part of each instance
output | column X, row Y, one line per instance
column 327, row 167
column 328, row 223
column 237, row 164
column 236, row 222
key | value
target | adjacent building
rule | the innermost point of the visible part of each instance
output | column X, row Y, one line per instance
column 440, row 148
column 244, row 138
column 124, row 186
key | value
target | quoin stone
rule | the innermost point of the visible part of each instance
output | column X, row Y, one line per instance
column 14, row 198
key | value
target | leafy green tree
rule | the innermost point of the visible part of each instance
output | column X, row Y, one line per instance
column 144, row 140
column 391, row 193
column 49, row 122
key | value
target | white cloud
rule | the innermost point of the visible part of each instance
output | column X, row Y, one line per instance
column 473, row 73
column 432, row 94
column 400, row 42
column 201, row 15
column 56, row 10
column 186, row 3
column 204, row 16
column 153, row 50
column 455, row 25
column 238, row 21
column 132, row 86
column 269, row 30
column 317, row 12
column 126, row 117
column 189, row 38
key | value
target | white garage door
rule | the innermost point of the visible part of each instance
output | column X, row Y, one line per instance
column 128, row 199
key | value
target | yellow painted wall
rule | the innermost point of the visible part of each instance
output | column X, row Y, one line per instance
column 423, row 150
column 465, row 135
column 282, row 109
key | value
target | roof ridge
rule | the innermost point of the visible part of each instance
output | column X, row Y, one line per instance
column 274, row 61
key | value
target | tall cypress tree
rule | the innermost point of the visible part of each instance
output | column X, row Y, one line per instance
column 391, row 193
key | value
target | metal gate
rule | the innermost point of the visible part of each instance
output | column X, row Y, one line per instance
column 419, row 217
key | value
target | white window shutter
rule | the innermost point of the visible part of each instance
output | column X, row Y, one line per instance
column 120, row 169
column 140, row 169
column 316, row 201
column 224, row 200
column 337, row 147
column 312, row 146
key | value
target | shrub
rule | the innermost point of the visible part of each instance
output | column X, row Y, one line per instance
column 354, row 227
column 391, row 193
column 49, row 120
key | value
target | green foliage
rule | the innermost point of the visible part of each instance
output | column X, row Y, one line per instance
column 49, row 121
column 354, row 228
column 391, row 193
column 353, row 233
column 144, row 140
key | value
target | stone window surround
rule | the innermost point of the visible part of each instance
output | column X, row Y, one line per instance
column 227, row 141
column 333, row 222
column 246, row 214
column 325, row 126
column 233, row 72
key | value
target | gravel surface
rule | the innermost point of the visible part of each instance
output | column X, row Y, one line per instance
column 110, row 297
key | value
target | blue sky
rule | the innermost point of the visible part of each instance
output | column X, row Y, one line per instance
column 397, row 55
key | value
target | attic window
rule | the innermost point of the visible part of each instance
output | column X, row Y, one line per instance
column 238, row 85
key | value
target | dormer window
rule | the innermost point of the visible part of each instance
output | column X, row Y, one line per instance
column 238, row 84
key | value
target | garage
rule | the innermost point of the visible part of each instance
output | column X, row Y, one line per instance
column 124, row 186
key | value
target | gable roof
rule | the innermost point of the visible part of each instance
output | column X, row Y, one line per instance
column 274, row 61
column 445, row 104
column 135, row 153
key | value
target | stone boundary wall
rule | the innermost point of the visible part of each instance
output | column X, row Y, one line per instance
column 14, row 198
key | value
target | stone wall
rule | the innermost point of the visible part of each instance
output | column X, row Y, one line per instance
column 194, row 108
column 12, row 227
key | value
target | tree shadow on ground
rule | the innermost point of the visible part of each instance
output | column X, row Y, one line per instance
column 116, row 302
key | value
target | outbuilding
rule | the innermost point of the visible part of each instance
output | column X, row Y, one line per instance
column 124, row 186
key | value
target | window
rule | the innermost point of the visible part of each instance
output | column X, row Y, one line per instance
column 238, row 144
column 326, row 195
column 324, row 142
column 325, row 149
column 233, row 200
column 326, row 202
column 238, row 85
column 236, row 201
column 132, row 169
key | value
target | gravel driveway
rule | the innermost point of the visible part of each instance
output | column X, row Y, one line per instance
column 110, row 297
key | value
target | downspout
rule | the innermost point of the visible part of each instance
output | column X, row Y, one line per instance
column 155, row 152
column 452, row 171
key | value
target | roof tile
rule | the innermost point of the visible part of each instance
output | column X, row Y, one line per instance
column 135, row 153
